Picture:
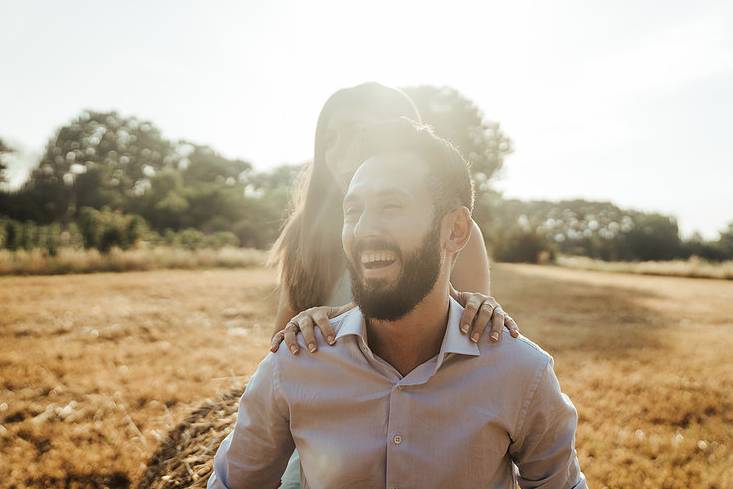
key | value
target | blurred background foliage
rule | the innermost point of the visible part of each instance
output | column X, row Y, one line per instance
column 106, row 180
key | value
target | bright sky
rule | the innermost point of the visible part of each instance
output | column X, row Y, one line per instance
column 624, row 101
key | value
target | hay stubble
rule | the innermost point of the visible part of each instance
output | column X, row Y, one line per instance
column 96, row 369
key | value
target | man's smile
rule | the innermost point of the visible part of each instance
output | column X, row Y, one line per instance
column 378, row 263
column 377, row 259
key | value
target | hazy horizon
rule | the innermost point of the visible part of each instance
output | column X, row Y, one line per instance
column 617, row 102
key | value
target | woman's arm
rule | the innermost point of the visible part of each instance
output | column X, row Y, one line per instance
column 284, row 312
column 471, row 276
column 471, row 269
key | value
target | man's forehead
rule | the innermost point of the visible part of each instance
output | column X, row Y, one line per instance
column 401, row 171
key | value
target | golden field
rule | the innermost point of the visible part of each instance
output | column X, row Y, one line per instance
column 94, row 369
column 693, row 267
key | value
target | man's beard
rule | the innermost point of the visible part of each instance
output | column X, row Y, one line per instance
column 417, row 277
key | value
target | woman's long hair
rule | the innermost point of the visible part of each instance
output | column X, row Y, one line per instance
column 308, row 251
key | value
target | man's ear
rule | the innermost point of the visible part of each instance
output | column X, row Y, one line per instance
column 458, row 224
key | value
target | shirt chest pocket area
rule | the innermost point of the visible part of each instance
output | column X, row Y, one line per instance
column 485, row 444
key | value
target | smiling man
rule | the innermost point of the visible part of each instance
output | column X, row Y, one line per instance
column 389, row 417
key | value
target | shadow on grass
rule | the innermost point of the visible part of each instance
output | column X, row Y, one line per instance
column 113, row 480
column 572, row 314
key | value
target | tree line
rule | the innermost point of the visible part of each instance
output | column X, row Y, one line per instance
column 106, row 180
column 528, row 231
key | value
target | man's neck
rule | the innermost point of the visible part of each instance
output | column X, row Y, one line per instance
column 414, row 338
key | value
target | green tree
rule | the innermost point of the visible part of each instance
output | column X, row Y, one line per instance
column 268, row 197
column 455, row 117
column 725, row 242
column 164, row 203
column 653, row 237
column 201, row 164
column 595, row 229
column 698, row 246
column 4, row 150
column 99, row 158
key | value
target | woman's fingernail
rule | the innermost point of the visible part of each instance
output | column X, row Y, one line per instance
column 474, row 337
column 311, row 347
column 464, row 329
column 294, row 349
column 331, row 340
column 494, row 336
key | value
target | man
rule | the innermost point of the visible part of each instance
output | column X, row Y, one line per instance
column 404, row 400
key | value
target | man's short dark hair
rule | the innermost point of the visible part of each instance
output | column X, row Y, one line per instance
column 448, row 176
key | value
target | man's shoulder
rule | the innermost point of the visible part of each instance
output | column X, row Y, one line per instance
column 517, row 353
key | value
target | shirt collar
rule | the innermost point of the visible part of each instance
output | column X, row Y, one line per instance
column 352, row 323
column 454, row 341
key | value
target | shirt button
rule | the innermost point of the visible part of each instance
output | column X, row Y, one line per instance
column 397, row 439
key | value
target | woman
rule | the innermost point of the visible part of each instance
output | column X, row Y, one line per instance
column 308, row 251
column 313, row 276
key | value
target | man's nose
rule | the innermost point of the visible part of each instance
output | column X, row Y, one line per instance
column 367, row 226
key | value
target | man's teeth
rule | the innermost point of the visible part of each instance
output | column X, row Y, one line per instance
column 378, row 256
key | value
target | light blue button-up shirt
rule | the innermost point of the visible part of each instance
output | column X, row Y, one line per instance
column 463, row 419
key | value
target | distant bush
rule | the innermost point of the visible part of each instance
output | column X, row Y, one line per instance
column 68, row 260
column 106, row 229
column 103, row 230
column 193, row 239
column 221, row 239
column 523, row 246
column 190, row 238
column 15, row 235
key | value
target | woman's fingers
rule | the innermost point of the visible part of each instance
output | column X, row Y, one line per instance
column 469, row 312
column 481, row 311
column 483, row 319
column 337, row 311
column 456, row 295
column 324, row 324
column 276, row 340
column 306, row 327
column 497, row 323
column 511, row 325
column 290, row 330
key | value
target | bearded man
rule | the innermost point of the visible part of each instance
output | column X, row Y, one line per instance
column 403, row 400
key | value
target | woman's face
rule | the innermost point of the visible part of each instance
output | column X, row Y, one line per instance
column 341, row 153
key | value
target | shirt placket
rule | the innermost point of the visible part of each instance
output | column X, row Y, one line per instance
column 398, row 441
column 399, row 433
column 399, row 436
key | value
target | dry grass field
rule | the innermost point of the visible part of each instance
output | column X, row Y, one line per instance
column 693, row 267
column 94, row 369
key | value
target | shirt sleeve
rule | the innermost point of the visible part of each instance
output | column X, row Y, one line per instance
column 544, row 450
column 255, row 453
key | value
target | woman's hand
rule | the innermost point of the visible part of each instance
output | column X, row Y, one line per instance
column 305, row 322
column 479, row 311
